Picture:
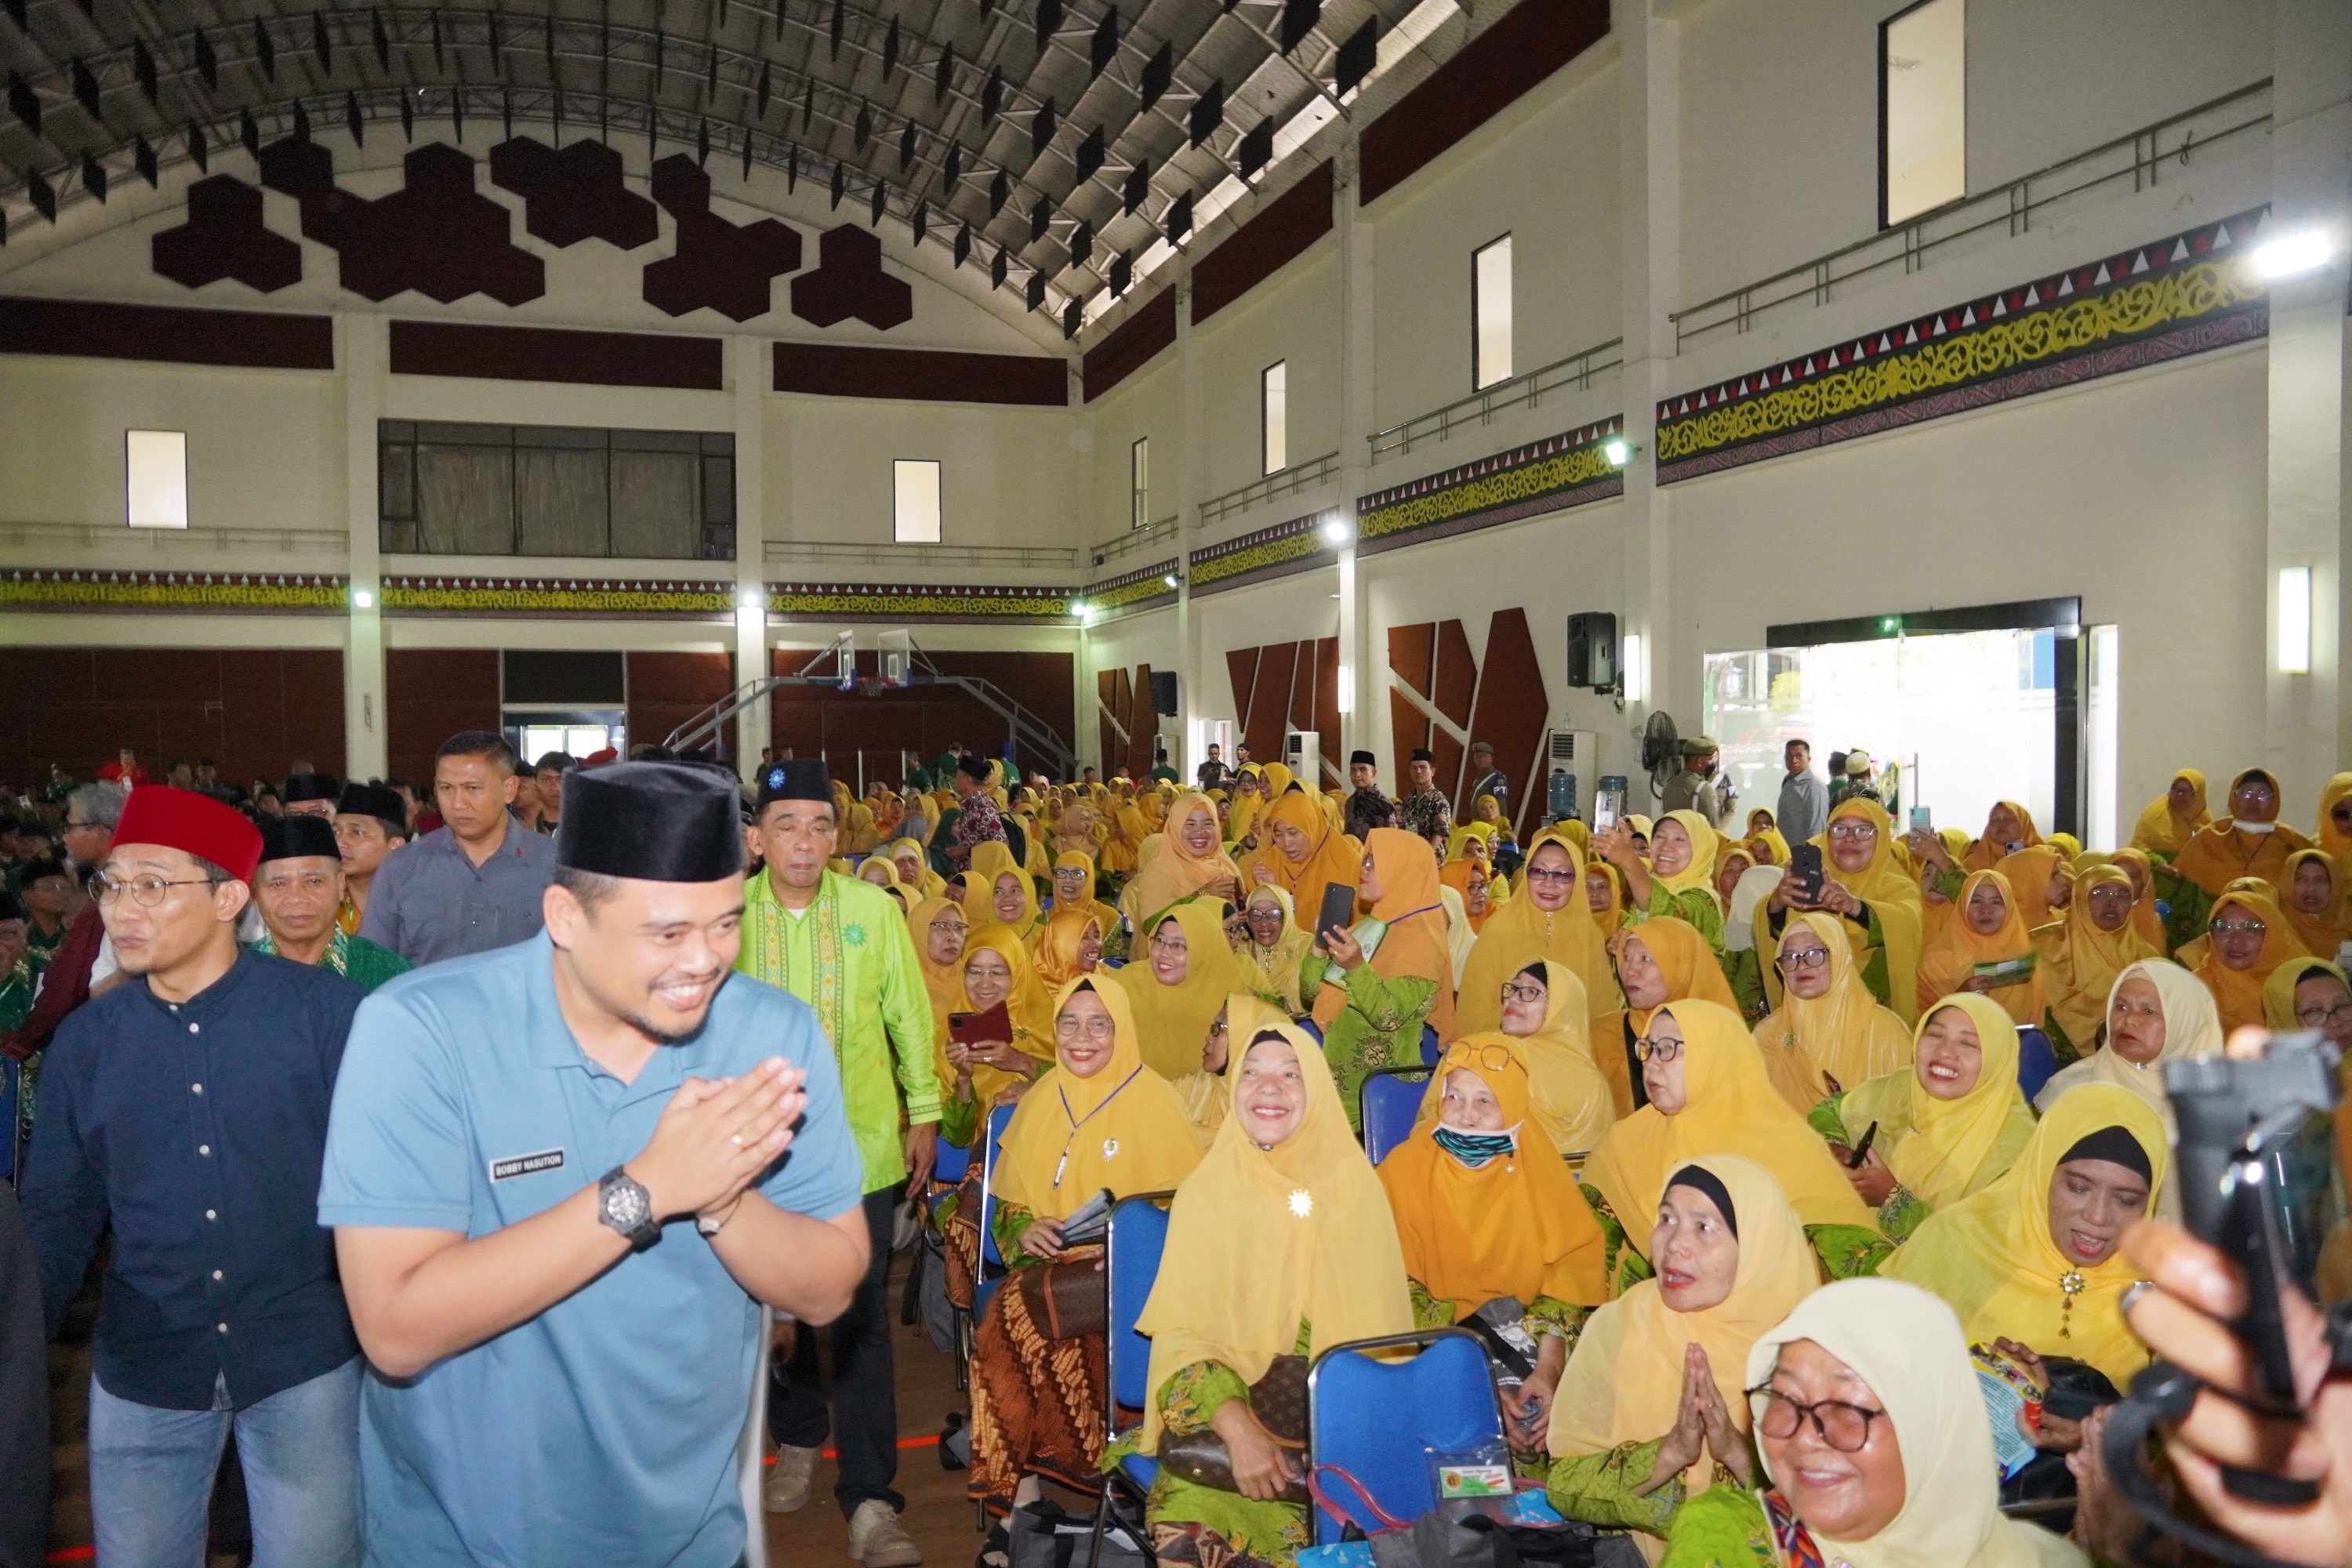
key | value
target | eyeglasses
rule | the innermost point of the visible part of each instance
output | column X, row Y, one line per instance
column 1544, row 874
column 1494, row 1058
column 1851, row 831
column 148, row 890
column 2238, row 928
column 1172, row 948
column 2319, row 1018
column 1656, row 1048
column 1844, row 1427
column 1098, row 1028
column 1514, row 992
column 1811, row 958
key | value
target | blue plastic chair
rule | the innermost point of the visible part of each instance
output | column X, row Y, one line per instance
column 1387, row 1104
column 1379, row 1421
column 985, row 1286
column 1430, row 1050
column 1311, row 1029
column 1137, row 1235
column 2037, row 1060
column 950, row 1164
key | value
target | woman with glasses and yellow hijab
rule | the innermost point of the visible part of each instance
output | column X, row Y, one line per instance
column 2170, row 820
column 1376, row 983
column 1301, row 853
column 1098, row 1119
column 1074, row 889
column 2035, row 1259
column 1950, row 1123
column 1549, row 918
column 1986, row 948
column 1192, row 861
column 1544, row 1009
column 1650, row 1412
column 1829, row 1032
column 1277, row 950
column 1864, row 883
column 978, row 1074
column 2247, row 938
column 2081, row 952
column 1707, row 1094
column 1178, row 981
column 1280, row 1245
column 2249, row 842
column 1676, row 879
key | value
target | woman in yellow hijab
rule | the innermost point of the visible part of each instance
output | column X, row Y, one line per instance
column 1248, row 801
column 1867, row 884
column 1675, row 878
column 2042, row 879
column 1658, row 962
column 914, row 869
column 1551, row 918
column 1985, row 948
column 1544, row 1009
column 1192, row 860
column 858, row 833
column 1300, row 852
column 2246, row 938
column 2141, row 869
column 1277, row 948
column 2034, row 1256
column 1375, row 985
column 2313, row 900
column 1123, row 841
column 1280, row 1244
column 2169, row 821
column 1604, row 895
column 1098, row 1119
column 1936, row 904
column 976, row 1075
column 1074, row 889
column 2008, row 827
column 2249, row 842
column 939, row 927
column 1829, row 1032
column 1008, row 892
column 1950, row 1123
column 1707, row 1095
column 2081, row 953
column 1651, row 1412
column 1069, row 945
column 1178, row 981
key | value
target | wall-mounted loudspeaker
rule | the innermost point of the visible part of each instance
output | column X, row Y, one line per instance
column 1164, row 692
column 1592, row 650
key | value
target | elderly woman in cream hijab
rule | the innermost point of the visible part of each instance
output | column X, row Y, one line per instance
column 2156, row 1013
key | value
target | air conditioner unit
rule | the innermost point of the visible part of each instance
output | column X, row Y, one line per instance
column 1302, row 753
column 1571, row 760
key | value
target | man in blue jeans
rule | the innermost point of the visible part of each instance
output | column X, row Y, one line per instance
column 188, row 1107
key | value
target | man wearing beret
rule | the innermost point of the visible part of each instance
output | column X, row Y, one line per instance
column 188, row 1107
column 298, row 888
column 841, row 946
column 564, row 1176
column 370, row 822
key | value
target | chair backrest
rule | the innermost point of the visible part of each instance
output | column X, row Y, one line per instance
column 1388, row 1105
column 1139, row 1233
column 950, row 1164
column 1432, row 1049
column 2036, row 1061
column 1382, row 1420
column 998, row 1116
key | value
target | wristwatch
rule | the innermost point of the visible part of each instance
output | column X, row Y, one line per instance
column 622, row 1202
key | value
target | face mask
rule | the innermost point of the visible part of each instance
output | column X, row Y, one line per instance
column 2244, row 827
column 1474, row 1149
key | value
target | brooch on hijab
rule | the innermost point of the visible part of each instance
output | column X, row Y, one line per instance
column 1110, row 1148
column 1302, row 1202
column 2070, row 1282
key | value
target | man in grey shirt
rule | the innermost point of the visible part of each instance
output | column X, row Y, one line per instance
column 1804, row 808
column 475, row 882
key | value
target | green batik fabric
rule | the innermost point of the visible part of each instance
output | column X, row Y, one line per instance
column 1597, row 1488
column 1694, row 905
column 357, row 960
column 1849, row 1251
column 1380, row 1027
column 1723, row 1527
column 1744, row 971
column 1622, row 1263
column 1269, row 1531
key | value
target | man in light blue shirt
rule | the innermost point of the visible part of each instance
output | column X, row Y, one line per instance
column 475, row 882
column 1804, row 807
column 563, row 1178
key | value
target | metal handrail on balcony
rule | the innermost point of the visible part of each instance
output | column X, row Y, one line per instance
column 2011, row 205
column 1576, row 371
column 785, row 551
column 1283, row 482
column 114, row 536
column 1133, row 540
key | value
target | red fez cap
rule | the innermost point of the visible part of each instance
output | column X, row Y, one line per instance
column 595, row 759
column 182, row 819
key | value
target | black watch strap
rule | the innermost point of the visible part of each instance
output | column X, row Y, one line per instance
column 622, row 1202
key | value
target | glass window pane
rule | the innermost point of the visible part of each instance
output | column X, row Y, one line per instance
column 916, row 484
column 655, row 505
column 1139, row 464
column 155, row 478
column 1923, row 66
column 1490, row 292
column 465, row 499
column 560, row 503
column 1274, row 404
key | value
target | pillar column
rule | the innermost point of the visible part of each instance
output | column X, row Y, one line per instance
column 747, row 372
column 1191, row 473
column 1357, row 283
column 363, row 349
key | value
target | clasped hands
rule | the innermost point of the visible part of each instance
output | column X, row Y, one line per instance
column 716, row 1136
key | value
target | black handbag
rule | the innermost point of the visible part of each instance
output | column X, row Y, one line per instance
column 1278, row 1400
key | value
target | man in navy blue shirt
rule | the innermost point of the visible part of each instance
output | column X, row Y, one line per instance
column 189, row 1106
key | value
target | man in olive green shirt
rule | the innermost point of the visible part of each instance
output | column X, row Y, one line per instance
column 841, row 946
column 298, row 888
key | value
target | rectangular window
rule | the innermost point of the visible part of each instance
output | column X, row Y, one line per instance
column 1490, row 314
column 1139, row 482
column 1274, row 416
column 155, row 478
column 447, row 488
column 1923, row 117
column 916, row 482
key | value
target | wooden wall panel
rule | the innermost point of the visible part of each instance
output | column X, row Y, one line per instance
column 1276, row 233
column 1269, row 707
column 1327, row 712
column 1142, row 724
column 1412, row 654
column 1131, row 345
column 430, row 694
column 251, row 711
column 1111, row 703
column 665, row 690
column 1511, row 714
column 1240, row 668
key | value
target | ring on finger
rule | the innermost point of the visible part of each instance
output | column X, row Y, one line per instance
column 736, row 1138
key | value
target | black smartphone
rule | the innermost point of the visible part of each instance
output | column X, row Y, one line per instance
column 1805, row 871
column 1862, row 1149
column 1338, row 908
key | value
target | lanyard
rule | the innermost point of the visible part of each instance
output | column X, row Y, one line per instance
column 1079, row 1121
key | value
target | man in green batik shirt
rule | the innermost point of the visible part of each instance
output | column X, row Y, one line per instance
column 841, row 946
column 297, row 886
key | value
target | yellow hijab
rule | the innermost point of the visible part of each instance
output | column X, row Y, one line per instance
column 1277, row 967
column 1951, row 963
column 1172, row 1021
column 1122, row 1128
column 2238, row 993
column 1624, row 1381
column 1519, row 933
column 1987, row 854
column 1176, row 872
column 2161, row 832
column 1057, row 946
column 1240, row 819
column 1515, row 1226
column 2219, row 853
column 1699, row 874
column 1992, row 1258
column 1571, row 1099
column 1892, row 895
column 1415, row 944
column 1943, row 1150
column 1607, row 920
column 1331, row 856
column 2079, row 962
column 1080, row 860
column 943, row 982
column 1689, row 968
column 2030, row 871
column 2145, row 919
column 1261, row 1240
column 1911, row 1350
column 2320, row 934
column 1027, row 1006
column 1729, row 1108
column 1844, row 1033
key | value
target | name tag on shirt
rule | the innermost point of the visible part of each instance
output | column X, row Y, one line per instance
column 526, row 1165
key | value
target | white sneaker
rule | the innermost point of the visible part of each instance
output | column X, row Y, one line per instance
column 878, row 1540
column 786, row 1489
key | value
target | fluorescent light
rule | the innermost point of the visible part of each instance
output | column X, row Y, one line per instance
column 1335, row 530
column 1170, row 579
column 2294, row 253
column 1081, row 609
column 155, row 478
column 1347, row 689
column 750, row 599
column 1618, row 451
column 2295, row 620
column 363, row 600
column 1632, row 674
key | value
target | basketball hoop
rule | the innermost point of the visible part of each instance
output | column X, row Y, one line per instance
column 871, row 686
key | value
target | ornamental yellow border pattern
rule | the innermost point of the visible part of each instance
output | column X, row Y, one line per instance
column 917, row 604
column 450, row 598
column 1561, row 471
column 2146, row 305
column 49, row 592
column 1272, row 552
column 1149, row 585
